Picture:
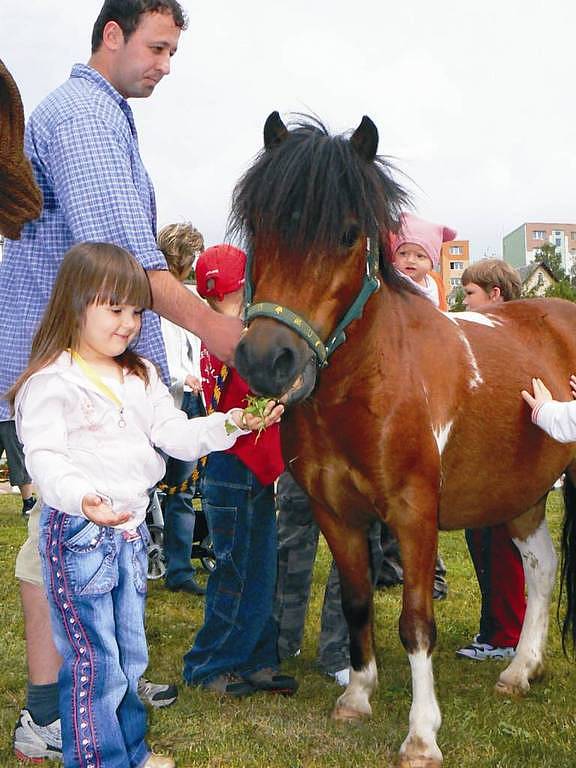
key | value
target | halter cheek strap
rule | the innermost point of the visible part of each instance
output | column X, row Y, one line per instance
column 284, row 315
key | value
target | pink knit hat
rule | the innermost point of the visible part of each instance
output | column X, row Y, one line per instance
column 427, row 235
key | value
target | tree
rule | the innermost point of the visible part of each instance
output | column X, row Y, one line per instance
column 552, row 258
column 456, row 299
column 561, row 290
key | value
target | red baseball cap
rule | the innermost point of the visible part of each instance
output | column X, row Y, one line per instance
column 220, row 270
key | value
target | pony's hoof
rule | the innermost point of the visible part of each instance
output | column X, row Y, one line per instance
column 345, row 714
column 511, row 690
column 419, row 762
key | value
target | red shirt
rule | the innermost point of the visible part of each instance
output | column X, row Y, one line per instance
column 262, row 455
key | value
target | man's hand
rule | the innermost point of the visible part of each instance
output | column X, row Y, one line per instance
column 100, row 512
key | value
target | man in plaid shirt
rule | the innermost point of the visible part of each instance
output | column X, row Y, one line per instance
column 83, row 146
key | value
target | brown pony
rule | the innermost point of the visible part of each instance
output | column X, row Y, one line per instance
column 398, row 411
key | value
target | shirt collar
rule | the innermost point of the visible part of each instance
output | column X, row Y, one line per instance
column 86, row 72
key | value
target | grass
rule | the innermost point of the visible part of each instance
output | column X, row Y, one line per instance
column 480, row 729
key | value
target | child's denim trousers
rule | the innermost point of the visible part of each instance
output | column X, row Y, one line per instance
column 239, row 634
column 96, row 584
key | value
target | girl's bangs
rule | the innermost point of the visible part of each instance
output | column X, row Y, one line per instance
column 132, row 289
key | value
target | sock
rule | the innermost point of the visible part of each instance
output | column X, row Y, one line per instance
column 42, row 703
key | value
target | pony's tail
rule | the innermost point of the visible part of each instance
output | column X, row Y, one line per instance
column 568, row 567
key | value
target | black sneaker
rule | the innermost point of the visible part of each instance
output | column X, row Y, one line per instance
column 27, row 505
column 156, row 694
column 273, row 681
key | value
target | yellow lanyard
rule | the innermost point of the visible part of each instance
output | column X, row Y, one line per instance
column 91, row 374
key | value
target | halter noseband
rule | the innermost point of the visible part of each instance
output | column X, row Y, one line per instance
column 297, row 324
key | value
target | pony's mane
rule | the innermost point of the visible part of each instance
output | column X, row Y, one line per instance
column 307, row 188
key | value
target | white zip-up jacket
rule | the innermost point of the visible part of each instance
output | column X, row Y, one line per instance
column 76, row 442
column 557, row 418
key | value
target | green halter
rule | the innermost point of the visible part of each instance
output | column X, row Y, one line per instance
column 296, row 323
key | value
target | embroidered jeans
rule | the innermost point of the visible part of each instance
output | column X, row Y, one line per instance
column 96, row 584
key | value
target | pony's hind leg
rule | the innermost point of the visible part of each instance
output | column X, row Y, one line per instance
column 531, row 536
column 350, row 549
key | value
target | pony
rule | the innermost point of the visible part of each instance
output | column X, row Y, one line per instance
column 395, row 410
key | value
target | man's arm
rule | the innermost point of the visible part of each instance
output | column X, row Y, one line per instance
column 173, row 300
column 93, row 180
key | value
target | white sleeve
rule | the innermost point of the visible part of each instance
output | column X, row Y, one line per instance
column 171, row 334
column 557, row 419
column 41, row 425
column 184, row 438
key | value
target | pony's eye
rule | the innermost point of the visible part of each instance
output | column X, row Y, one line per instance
column 350, row 236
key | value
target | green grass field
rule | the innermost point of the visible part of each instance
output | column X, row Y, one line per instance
column 479, row 730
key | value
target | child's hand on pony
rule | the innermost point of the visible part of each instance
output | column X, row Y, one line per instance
column 99, row 510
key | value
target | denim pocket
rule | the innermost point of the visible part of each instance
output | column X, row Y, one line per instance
column 222, row 524
column 89, row 557
column 84, row 535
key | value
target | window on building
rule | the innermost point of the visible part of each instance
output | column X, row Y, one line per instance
column 456, row 265
column 456, row 250
column 539, row 234
column 455, row 282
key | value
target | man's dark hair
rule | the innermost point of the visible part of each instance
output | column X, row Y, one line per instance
column 126, row 13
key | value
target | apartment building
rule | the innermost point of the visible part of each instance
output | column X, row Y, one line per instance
column 454, row 258
column 520, row 246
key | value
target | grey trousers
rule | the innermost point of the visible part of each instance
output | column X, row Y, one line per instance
column 297, row 545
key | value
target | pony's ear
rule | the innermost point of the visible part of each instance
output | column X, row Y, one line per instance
column 365, row 139
column 274, row 131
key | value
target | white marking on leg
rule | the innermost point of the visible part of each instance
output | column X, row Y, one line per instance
column 441, row 435
column 362, row 683
column 425, row 717
column 539, row 561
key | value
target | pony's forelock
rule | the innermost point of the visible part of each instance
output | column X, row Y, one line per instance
column 305, row 189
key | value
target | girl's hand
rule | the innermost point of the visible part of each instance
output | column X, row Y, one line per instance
column 100, row 512
column 541, row 393
column 573, row 385
column 270, row 414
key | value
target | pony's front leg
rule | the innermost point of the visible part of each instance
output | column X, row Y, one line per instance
column 539, row 561
column 351, row 552
column 418, row 546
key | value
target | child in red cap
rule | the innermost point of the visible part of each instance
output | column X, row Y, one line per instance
column 234, row 652
column 416, row 254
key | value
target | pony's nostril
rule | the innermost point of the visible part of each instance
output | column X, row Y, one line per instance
column 283, row 365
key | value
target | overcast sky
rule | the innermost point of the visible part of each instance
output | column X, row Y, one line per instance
column 475, row 101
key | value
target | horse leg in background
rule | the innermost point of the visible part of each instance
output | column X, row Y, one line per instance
column 418, row 541
column 351, row 552
column 530, row 534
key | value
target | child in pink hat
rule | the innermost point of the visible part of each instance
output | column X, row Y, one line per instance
column 416, row 254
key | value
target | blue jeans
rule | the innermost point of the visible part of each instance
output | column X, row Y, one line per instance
column 179, row 514
column 239, row 634
column 96, row 584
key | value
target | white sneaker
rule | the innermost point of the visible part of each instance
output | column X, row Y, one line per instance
column 342, row 677
column 483, row 651
column 35, row 742
column 155, row 694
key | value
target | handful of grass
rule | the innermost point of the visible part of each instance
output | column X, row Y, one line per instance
column 256, row 407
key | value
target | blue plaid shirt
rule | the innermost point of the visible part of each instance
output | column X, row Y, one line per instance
column 83, row 146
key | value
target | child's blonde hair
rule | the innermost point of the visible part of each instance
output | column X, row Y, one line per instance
column 90, row 273
column 491, row 273
column 180, row 244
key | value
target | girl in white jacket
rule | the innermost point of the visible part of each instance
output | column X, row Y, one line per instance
column 91, row 413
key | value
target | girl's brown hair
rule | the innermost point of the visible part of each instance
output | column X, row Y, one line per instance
column 90, row 273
